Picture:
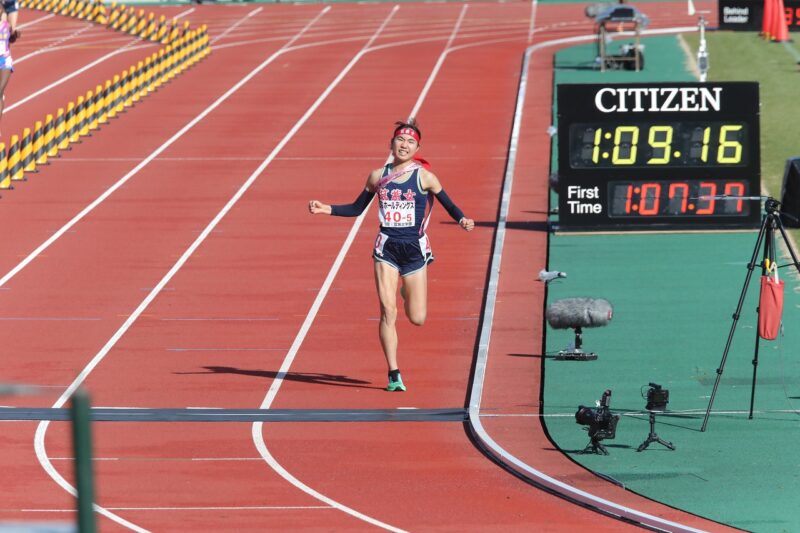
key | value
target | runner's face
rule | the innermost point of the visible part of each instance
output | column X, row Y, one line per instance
column 403, row 148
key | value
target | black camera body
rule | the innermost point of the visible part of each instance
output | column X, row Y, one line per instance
column 657, row 398
column 595, row 417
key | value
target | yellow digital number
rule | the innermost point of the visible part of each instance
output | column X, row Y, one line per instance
column 706, row 138
column 660, row 138
column 598, row 134
column 726, row 144
column 625, row 140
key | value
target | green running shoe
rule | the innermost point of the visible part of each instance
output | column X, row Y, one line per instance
column 396, row 386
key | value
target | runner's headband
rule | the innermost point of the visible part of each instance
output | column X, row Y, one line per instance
column 405, row 130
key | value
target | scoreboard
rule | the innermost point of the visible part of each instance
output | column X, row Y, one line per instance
column 746, row 15
column 658, row 156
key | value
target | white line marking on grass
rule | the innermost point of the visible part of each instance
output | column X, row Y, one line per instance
column 41, row 430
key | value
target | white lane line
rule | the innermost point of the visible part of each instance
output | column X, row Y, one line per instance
column 100, row 199
column 53, row 44
column 165, row 459
column 35, row 21
column 221, row 319
column 485, row 334
column 47, row 319
column 41, row 430
column 257, row 429
column 183, row 14
column 532, row 24
column 237, row 24
column 135, row 44
column 258, row 433
column 210, row 508
column 226, row 349
column 64, row 79
column 432, row 38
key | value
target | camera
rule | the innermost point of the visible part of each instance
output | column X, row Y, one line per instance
column 599, row 416
column 601, row 423
column 657, row 397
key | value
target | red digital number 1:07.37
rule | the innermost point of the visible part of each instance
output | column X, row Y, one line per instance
column 677, row 198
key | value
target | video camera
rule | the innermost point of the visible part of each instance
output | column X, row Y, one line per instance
column 657, row 397
column 601, row 423
column 595, row 417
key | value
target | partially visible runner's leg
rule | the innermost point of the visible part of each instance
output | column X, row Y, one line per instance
column 386, row 280
column 415, row 296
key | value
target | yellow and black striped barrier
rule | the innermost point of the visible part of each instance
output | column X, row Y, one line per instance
column 15, row 170
column 5, row 179
column 181, row 47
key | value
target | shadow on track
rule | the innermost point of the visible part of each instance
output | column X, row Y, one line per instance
column 315, row 378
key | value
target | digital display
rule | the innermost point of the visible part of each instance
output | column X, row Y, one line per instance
column 678, row 198
column 692, row 144
column 748, row 15
column 667, row 156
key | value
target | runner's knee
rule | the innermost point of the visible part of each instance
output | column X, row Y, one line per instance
column 388, row 314
column 417, row 317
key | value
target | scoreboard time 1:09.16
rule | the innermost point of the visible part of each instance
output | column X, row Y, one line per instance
column 658, row 156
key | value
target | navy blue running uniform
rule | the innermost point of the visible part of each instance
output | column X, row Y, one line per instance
column 404, row 210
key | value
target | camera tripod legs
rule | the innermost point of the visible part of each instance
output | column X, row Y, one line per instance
column 770, row 223
column 652, row 437
column 595, row 447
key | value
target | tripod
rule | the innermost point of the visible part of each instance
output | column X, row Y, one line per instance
column 766, row 236
column 652, row 437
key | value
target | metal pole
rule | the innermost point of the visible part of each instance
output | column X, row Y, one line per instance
column 82, row 443
column 702, row 50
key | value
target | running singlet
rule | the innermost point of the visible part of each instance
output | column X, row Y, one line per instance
column 404, row 208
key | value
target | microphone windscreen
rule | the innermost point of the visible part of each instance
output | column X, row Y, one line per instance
column 578, row 312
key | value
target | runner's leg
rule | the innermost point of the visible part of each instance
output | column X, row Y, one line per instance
column 386, row 279
column 5, row 75
column 416, row 296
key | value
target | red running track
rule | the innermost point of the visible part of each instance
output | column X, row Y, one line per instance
column 169, row 261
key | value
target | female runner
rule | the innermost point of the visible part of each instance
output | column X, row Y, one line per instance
column 404, row 189
column 6, row 63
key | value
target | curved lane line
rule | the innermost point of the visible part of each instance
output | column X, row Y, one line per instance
column 491, row 445
column 41, row 429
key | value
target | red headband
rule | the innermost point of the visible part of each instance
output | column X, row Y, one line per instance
column 405, row 130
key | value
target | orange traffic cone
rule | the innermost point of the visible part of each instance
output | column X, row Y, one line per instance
column 780, row 31
column 766, row 21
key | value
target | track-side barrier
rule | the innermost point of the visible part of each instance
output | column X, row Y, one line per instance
column 180, row 48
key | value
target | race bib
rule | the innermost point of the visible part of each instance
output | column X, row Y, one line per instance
column 397, row 214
